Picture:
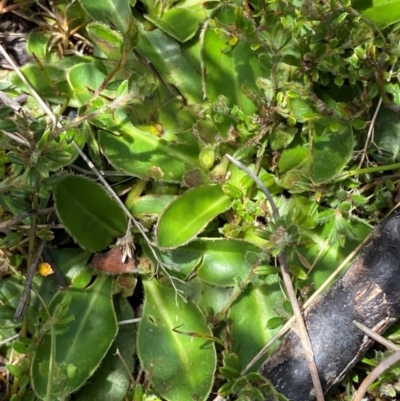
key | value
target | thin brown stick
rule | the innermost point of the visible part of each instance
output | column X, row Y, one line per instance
column 305, row 340
column 375, row 373
column 28, row 283
column 375, row 336
column 24, row 215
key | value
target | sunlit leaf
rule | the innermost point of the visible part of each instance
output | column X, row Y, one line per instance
column 171, row 356
column 226, row 73
column 382, row 12
column 188, row 215
column 249, row 331
column 143, row 154
column 117, row 11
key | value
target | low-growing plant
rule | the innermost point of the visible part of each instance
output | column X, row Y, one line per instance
column 114, row 136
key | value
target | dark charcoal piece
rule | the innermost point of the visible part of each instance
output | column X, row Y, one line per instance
column 368, row 292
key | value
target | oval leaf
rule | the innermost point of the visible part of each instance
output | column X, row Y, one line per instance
column 182, row 363
column 89, row 319
column 88, row 213
column 187, row 216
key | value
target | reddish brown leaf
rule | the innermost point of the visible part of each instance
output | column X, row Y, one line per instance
column 111, row 262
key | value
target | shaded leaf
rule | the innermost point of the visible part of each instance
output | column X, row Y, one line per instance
column 331, row 149
column 111, row 381
column 88, row 212
column 387, row 136
column 94, row 322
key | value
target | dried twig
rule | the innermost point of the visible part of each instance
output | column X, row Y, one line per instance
column 8, row 223
column 305, row 340
column 370, row 134
column 375, row 336
column 28, row 283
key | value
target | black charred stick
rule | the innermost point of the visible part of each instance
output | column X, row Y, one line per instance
column 369, row 293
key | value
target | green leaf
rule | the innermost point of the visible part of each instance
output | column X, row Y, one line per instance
column 224, row 262
column 382, row 12
column 387, row 136
column 145, row 155
column 182, row 21
column 38, row 44
column 111, row 381
column 182, row 365
column 94, row 322
column 188, row 215
column 107, row 40
column 249, row 331
column 228, row 72
column 148, row 204
column 294, row 157
column 84, row 79
column 332, row 148
column 329, row 256
column 88, row 212
column 50, row 81
column 179, row 65
column 217, row 261
column 117, row 11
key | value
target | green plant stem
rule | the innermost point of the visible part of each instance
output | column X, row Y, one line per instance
column 368, row 170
